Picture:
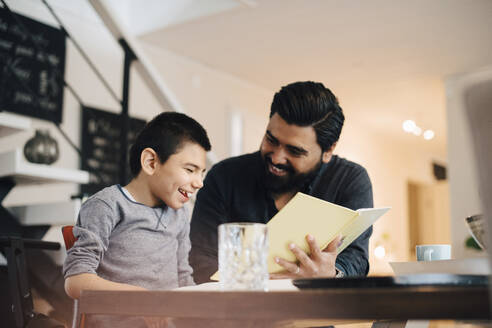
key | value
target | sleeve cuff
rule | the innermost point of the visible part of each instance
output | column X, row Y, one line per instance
column 339, row 272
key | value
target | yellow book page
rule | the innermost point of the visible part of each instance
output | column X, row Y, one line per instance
column 301, row 216
column 365, row 218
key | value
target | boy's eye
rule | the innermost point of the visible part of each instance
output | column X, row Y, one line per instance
column 189, row 170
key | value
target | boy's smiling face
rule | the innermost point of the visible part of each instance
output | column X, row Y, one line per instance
column 174, row 181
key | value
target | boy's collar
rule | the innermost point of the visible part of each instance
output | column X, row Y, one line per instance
column 129, row 196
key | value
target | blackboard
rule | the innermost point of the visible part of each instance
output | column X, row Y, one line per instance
column 31, row 81
column 101, row 147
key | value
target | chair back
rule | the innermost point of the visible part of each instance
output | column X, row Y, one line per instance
column 68, row 236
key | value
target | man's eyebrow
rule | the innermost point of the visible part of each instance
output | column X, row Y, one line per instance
column 298, row 150
column 271, row 135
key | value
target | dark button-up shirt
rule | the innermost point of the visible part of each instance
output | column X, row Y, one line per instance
column 234, row 191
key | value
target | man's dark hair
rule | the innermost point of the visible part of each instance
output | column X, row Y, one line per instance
column 310, row 104
column 165, row 134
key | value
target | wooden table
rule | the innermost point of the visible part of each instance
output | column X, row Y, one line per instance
column 291, row 308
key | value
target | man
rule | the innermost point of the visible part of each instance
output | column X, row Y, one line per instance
column 296, row 155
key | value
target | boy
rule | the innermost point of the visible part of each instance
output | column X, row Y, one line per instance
column 136, row 237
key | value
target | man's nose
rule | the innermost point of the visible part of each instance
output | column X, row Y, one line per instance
column 279, row 156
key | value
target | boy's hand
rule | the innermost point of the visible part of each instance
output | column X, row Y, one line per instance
column 317, row 264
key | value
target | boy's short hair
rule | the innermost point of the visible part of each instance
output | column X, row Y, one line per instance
column 165, row 134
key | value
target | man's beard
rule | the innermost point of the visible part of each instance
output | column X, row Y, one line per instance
column 292, row 181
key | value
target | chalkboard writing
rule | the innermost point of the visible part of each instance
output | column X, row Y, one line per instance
column 101, row 147
column 32, row 66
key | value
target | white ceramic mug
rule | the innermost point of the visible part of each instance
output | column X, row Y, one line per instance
column 433, row 252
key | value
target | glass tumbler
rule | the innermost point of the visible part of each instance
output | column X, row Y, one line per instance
column 243, row 252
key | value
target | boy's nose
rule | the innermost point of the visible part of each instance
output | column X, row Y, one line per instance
column 197, row 183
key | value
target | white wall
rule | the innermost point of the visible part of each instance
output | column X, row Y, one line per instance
column 209, row 96
column 464, row 194
column 391, row 164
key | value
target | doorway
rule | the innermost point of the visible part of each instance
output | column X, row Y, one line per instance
column 428, row 214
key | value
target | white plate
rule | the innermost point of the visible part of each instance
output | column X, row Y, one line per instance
column 478, row 265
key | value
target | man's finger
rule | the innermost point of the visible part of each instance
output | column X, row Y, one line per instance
column 301, row 255
column 332, row 247
column 313, row 246
column 287, row 265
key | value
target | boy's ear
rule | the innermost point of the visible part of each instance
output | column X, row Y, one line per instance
column 149, row 160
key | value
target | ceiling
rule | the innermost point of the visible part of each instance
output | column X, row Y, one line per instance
column 386, row 60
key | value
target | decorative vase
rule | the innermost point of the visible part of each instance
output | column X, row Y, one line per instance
column 42, row 148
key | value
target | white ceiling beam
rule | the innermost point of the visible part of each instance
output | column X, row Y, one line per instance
column 144, row 67
column 151, row 15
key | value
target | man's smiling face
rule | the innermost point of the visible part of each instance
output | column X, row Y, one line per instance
column 291, row 155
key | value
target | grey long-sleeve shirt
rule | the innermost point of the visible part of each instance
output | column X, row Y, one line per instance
column 128, row 242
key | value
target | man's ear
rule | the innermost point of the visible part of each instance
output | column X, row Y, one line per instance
column 149, row 160
column 326, row 157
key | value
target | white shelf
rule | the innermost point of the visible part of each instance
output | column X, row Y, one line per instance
column 12, row 164
column 11, row 123
column 59, row 213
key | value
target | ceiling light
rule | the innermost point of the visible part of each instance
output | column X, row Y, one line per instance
column 379, row 252
column 417, row 131
column 428, row 134
column 409, row 125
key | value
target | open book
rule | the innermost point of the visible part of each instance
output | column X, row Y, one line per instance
column 304, row 215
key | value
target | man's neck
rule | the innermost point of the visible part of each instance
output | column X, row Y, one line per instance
column 283, row 198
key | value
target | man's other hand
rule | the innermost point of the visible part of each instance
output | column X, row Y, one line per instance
column 320, row 263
